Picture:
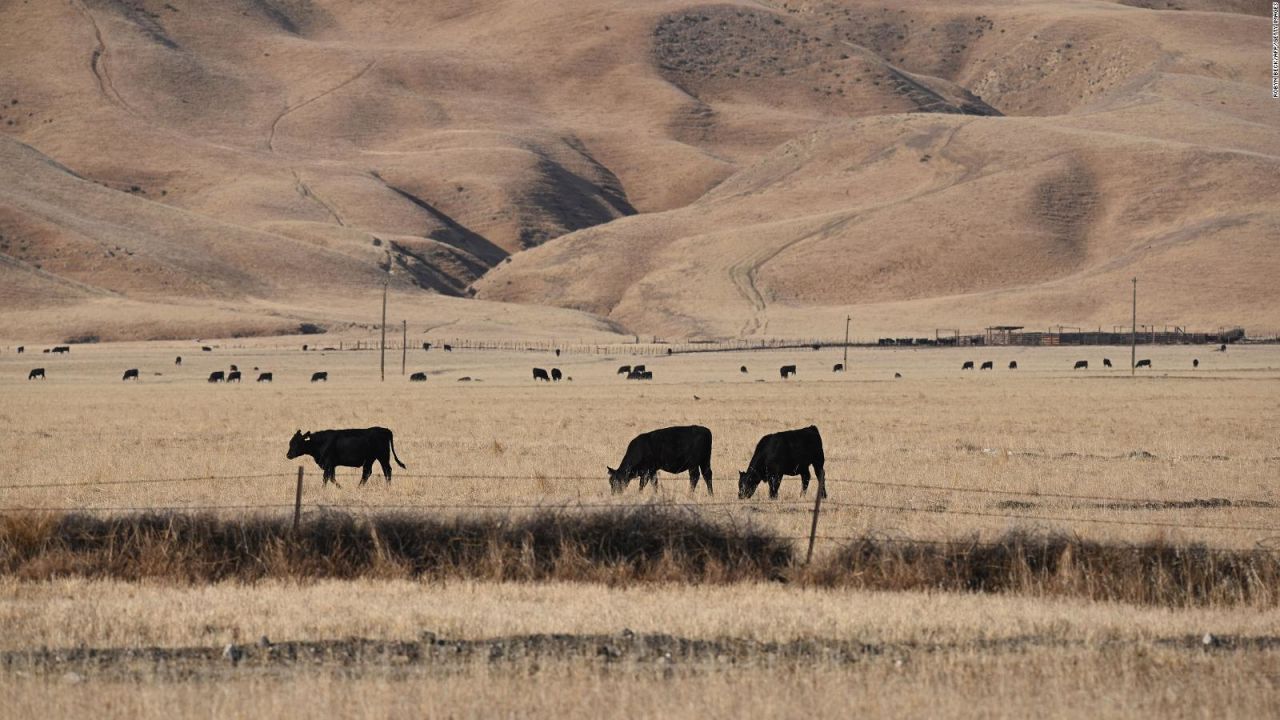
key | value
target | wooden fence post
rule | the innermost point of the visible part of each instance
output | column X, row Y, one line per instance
column 297, row 505
column 813, row 529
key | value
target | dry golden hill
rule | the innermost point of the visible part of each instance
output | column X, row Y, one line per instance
column 179, row 168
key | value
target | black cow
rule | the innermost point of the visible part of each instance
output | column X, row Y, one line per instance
column 1195, row 362
column 1106, row 362
column 36, row 373
column 347, row 448
column 177, row 360
column 742, row 369
column 206, row 348
column 787, row 371
column 1013, row 364
column 897, row 376
column 264, row 377
column 320, row 377
column 1081, row 364
column 557, row 352
column 968, row 365
column 465, row 378
column 556, row 374
column 540, row 374
column 61, row 349
column 448, row 348
column 673, row 450
column 1143, row 363
column 988, row 365
column 624, row 370
column 426, row 346
column 235, row 368
column 637, row 368
column 838, row 367
column 1221, row 348
column 22, row 349
column 233, row 376
column 790, row 452
column 418, row 377
column 217, row 376
column 640, row 375
column 46, row 350
column 130, row 374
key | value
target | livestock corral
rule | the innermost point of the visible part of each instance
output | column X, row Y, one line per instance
column 1041, row 539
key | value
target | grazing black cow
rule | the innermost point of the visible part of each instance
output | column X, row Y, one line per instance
column 448, row 348
column 838, row 367
column 640, row 375
column 347, row 448
column 1081, row 364
column 673, row 450
column 206, row 348
column 46, row 350
column 988, row 365
column 1195, row 362
column 1106, row 362
column 320, row 377
column 557, row 352
column 177, row 360
column 426, row 346
column 556, row 374
column 1143, row 363
column 22, row 349
column 465, row 378
column 968, row 365
column 1013, row 364
column 61, row 349
column 789, row 452
column 624, row 370
column 787, row 371
column 418, row 377
column 217, row 376
column 742, row 369
column 897, row 376
column 130, row 374
column 233, row 376
column 540, row 374
column 637, row 368
column 36, row 373
column 304, row 348
column 265, row 377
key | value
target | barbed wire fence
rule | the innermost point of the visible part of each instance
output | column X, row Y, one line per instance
column 1268, row 542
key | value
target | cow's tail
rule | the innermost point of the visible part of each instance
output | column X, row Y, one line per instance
column 391, row 439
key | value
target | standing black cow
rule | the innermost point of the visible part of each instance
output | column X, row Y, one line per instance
column 540, row 374
column 177, row 360
column 787, row 371
column 968, row 365
column 426, row 346
column 988, row 365
column 130, row 374
column 897, row 376
column 838, row 367
column 206, row 348
column 235, row 368
column 742, row 369
column 418, row 377
column 1195, row 362
column 22, row 349
column 640, row 375
column 556, row 375
column 790, row 452
column 36, row 373
column 448, row 348
column 1013, row 364
column 1143, row 363
column 673, row 450
column 1221, row 348
column 233, row 376
column 265, row 377
column 320, row 377
column 1081, row 364
column 557, row 352
column 61, row 349
column 217, row 376
column 624, row 370
column 1106, row 362
column 347, row 448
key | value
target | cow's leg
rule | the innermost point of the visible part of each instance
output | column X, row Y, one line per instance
column 386, row 468
column 653, row 478
column 365, row 472
column 693, row 478
column 706, row 477
column 331, row 474
column 774, row 484
column 804, row 481
column 822, row 480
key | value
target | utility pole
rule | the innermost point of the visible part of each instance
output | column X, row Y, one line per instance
column 847, row 318
column 1133, row 338
column 383, row 345
column 404, row 343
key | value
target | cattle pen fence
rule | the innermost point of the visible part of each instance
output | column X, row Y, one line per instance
column 1266, row 538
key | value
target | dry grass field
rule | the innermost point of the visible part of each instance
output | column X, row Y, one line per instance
column 1176, row 455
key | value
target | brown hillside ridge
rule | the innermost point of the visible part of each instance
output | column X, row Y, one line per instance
column 602, row 168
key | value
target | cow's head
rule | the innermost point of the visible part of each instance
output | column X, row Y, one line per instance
column 299, row 444
column 617, row 481
column 747, row 483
